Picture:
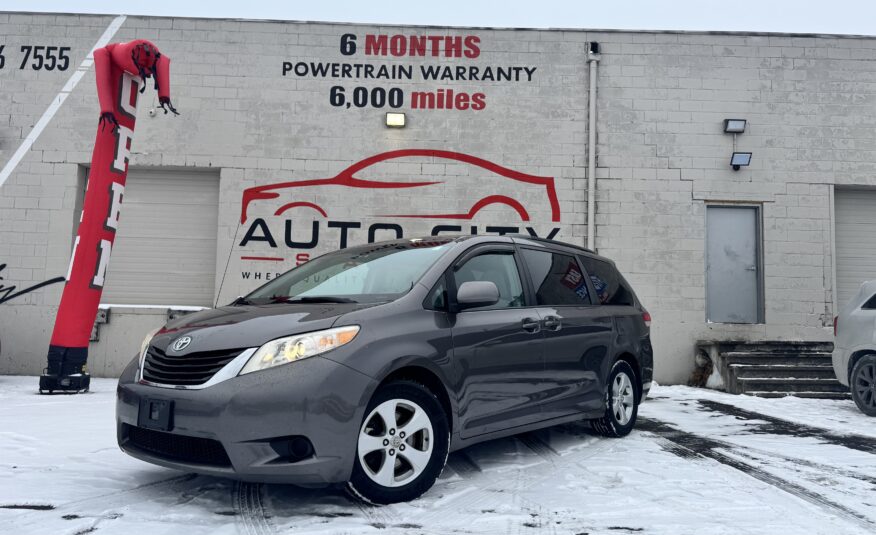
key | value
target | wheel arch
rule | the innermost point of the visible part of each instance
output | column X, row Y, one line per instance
column 854, row 358
column 630, row 359
column 431, row 381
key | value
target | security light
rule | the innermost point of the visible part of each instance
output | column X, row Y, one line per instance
column 395, row 120
column 734, row 126
column 740, row 159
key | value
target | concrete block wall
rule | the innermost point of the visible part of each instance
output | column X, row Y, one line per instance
column 662, row 155
column 240, row 115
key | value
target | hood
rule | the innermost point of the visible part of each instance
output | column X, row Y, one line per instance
column 240, row 327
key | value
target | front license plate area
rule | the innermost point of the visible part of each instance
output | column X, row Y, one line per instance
column 156, row 414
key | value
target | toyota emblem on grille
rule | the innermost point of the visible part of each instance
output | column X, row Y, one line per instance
column 181, row 343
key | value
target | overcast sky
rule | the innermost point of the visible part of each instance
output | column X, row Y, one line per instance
column 806, row 16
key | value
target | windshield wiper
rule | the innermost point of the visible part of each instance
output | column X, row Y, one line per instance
column 240, row 301
column 317, row 299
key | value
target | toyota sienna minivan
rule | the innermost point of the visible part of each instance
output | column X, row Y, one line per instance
column 368, row 365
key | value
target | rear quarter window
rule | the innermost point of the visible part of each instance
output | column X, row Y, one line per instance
column 870, row 304
column 610, row 287
column 556, row 278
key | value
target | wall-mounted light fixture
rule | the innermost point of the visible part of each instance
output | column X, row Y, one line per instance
column 395, row 120
column 736, row 127
column 740, row 159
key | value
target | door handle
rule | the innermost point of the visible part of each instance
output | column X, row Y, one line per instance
column 751, row 268
column 530, row 325
column 552, row 323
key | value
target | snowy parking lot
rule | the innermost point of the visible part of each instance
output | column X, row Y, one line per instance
column 698, row 462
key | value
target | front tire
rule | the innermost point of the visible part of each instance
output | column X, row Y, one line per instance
column 402, row 444
column 862, row 383
column 621, row 402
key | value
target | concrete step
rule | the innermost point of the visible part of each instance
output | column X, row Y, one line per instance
column 782, row 371
column 782, row 349
column 776, row 347
column 779, row 368
column 779, row 384
column 815, row 395
column 775, row 354
column 780, row 360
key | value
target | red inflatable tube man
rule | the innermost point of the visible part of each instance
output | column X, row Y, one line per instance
column 121, row 70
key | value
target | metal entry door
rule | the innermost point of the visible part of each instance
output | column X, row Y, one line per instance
column 732, row 265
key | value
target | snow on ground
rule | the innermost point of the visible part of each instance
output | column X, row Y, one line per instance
column 699, row 462
column 837, row 415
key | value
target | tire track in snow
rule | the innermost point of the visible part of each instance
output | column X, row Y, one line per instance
column 536, row 512
column 689, row 445
column 480, row 486
column 246, row 499
column 539, row 447
column 462, row 464
column 379, row 516
column 114, row 500
column 833, row 470
column 483, row 490
column 777, row 426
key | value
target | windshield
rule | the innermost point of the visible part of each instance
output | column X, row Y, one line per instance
column 365, row 274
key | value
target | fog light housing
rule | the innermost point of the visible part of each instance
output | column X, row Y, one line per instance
column 292, row 449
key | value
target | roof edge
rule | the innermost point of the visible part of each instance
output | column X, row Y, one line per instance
column 811, row 35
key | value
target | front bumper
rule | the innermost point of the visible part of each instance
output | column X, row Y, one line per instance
column 315, row 398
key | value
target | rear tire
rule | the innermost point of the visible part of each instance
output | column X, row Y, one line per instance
column 862, row 384
column 402, row 445
column 621, row 402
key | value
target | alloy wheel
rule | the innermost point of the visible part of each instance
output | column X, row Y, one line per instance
column 865, row 385
column 395, row 443
column 623, row 398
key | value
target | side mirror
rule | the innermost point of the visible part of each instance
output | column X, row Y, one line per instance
column 473, row 294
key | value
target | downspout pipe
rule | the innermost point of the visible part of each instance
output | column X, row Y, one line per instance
column 593, row 59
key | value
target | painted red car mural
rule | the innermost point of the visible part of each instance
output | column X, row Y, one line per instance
column 347, row 178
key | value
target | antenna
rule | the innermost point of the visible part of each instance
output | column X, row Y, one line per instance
column 227, row 261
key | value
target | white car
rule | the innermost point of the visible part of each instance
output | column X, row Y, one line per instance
column 854, row 353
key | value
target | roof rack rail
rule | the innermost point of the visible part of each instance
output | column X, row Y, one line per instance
column 546, row 240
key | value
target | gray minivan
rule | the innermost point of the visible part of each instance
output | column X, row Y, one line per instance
column 368, row 365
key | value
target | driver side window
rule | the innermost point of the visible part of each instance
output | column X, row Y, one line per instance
column 498, row 268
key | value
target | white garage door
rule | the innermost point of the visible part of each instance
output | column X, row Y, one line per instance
column 165, row 247
column 855, row 241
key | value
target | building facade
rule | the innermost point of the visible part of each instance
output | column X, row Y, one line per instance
column 282, row 152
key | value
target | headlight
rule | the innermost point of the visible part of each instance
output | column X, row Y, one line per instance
column 300, row 346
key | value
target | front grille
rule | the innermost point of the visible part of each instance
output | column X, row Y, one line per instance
column 181, row 448
column 188, row 370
